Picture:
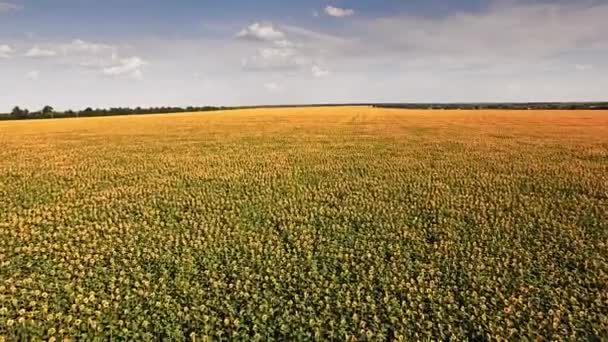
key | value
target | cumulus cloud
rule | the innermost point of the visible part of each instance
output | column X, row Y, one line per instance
column 33, row 75
column 338, row 12
column 131, row 66
column 298, row 49
column 100, row 56
column 502, row 42
column 261, row 32
column 8, row 6
column 6, row 51
column 37, row 52
column 103, row 58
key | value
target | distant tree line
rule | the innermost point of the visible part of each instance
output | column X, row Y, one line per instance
column 506, row 105
column 48, row 112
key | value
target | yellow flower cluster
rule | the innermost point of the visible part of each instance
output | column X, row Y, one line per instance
column 348, row 223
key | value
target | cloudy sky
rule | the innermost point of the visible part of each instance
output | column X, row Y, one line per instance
column 79, row 53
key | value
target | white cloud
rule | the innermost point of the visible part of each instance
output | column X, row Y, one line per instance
column 297, row 50
column 101, row 57
column 104, row 58
column 76, row 47
column 131, row 66
column 81, row 46
column 261, row 32
column 339, row 12
column 36, row 52
column 319, row 72
column 33, row 75
column 6, row 51
column 8, row 6
column 583, row 67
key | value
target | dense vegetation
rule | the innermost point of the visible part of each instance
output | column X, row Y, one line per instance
column 49, row 112
column 300, row 224
column 506, row 105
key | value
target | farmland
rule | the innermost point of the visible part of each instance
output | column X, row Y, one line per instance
column 348, row 223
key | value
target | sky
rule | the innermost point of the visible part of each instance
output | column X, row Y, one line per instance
column 72, row 54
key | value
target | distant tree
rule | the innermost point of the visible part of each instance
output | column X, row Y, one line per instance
column 47, row 111
column 16, row 111
column 87, row 112
column 19, row 113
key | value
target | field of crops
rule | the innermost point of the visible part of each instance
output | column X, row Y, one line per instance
column 314, row 223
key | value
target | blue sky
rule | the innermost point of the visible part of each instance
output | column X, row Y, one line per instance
column 78, row 53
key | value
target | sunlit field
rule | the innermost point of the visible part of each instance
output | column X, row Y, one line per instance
column 346, row 223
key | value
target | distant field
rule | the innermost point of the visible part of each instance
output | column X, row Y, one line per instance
column 311, row 223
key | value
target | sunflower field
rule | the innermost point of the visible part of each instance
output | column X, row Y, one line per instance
column 343, row 223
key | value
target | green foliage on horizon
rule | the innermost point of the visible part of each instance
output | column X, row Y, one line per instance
column 49, row 113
